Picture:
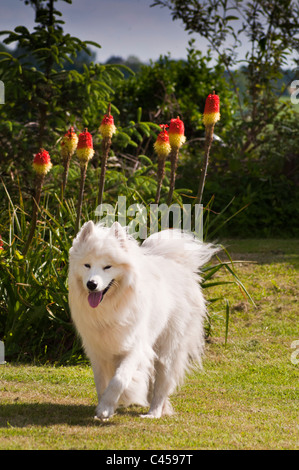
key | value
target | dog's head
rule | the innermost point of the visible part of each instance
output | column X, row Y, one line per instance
column 100, row 261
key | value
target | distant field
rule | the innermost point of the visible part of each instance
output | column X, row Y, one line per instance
column 246, row 398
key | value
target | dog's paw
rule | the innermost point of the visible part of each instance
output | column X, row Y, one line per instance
column 104, row 412
column 152, row 414
column 149, row 416
column 164, row 409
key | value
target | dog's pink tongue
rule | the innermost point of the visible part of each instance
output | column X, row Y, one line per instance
column 94, row 299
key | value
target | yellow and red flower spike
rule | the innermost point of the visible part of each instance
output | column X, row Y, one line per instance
column 1, row 243
column 162, row 145
column 85, row 147
column 107, row 127
column 42, row 162
column 212, row 110
column 69, row 142
column 176, row 133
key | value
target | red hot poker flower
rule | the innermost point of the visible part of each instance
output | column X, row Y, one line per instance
column 212, row 110
column 85, row 140
column 1, row 243
column 162, row 145
column 163, row 136
column 42, row 162
column 107, row 127
column 176, row 133
column 85, row 147
column 69, row 142
column 177, row 126
column 108, row 120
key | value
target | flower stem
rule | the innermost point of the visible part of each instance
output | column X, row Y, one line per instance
column 66, row 165
column 36, row 201
column 174, row 157
column 208, row 144
column 106, row 143
column 80, row 199
column 160, row 176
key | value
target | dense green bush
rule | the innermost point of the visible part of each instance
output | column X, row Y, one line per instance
column 167, row 88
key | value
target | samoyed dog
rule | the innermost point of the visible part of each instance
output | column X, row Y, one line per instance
column 139, row 311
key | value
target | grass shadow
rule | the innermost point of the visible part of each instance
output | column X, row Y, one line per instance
column 22, row 415
column 264, row 251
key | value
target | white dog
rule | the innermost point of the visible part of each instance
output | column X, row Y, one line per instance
column 139, row 311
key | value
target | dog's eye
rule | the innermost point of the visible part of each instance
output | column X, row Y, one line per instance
column 107, row 267
column 87, row 266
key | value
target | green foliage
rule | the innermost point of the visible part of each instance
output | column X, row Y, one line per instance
column 271, row 206
column 168, row 88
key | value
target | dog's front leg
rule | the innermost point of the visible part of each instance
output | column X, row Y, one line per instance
column 119, row 382
column 101, row 375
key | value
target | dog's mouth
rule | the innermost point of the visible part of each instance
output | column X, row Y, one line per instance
column 96, row 297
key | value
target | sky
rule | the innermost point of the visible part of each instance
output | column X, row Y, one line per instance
column 121, row 27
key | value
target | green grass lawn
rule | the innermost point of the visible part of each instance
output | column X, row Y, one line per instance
column 246, row 397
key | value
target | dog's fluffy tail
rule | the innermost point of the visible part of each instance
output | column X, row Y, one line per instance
column 180, row 246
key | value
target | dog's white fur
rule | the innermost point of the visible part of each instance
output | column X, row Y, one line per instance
column 148, row 328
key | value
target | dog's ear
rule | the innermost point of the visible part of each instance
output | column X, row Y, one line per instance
column 119, row 232
column 86, row 231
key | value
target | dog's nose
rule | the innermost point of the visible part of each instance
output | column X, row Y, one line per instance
column 92, row 285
